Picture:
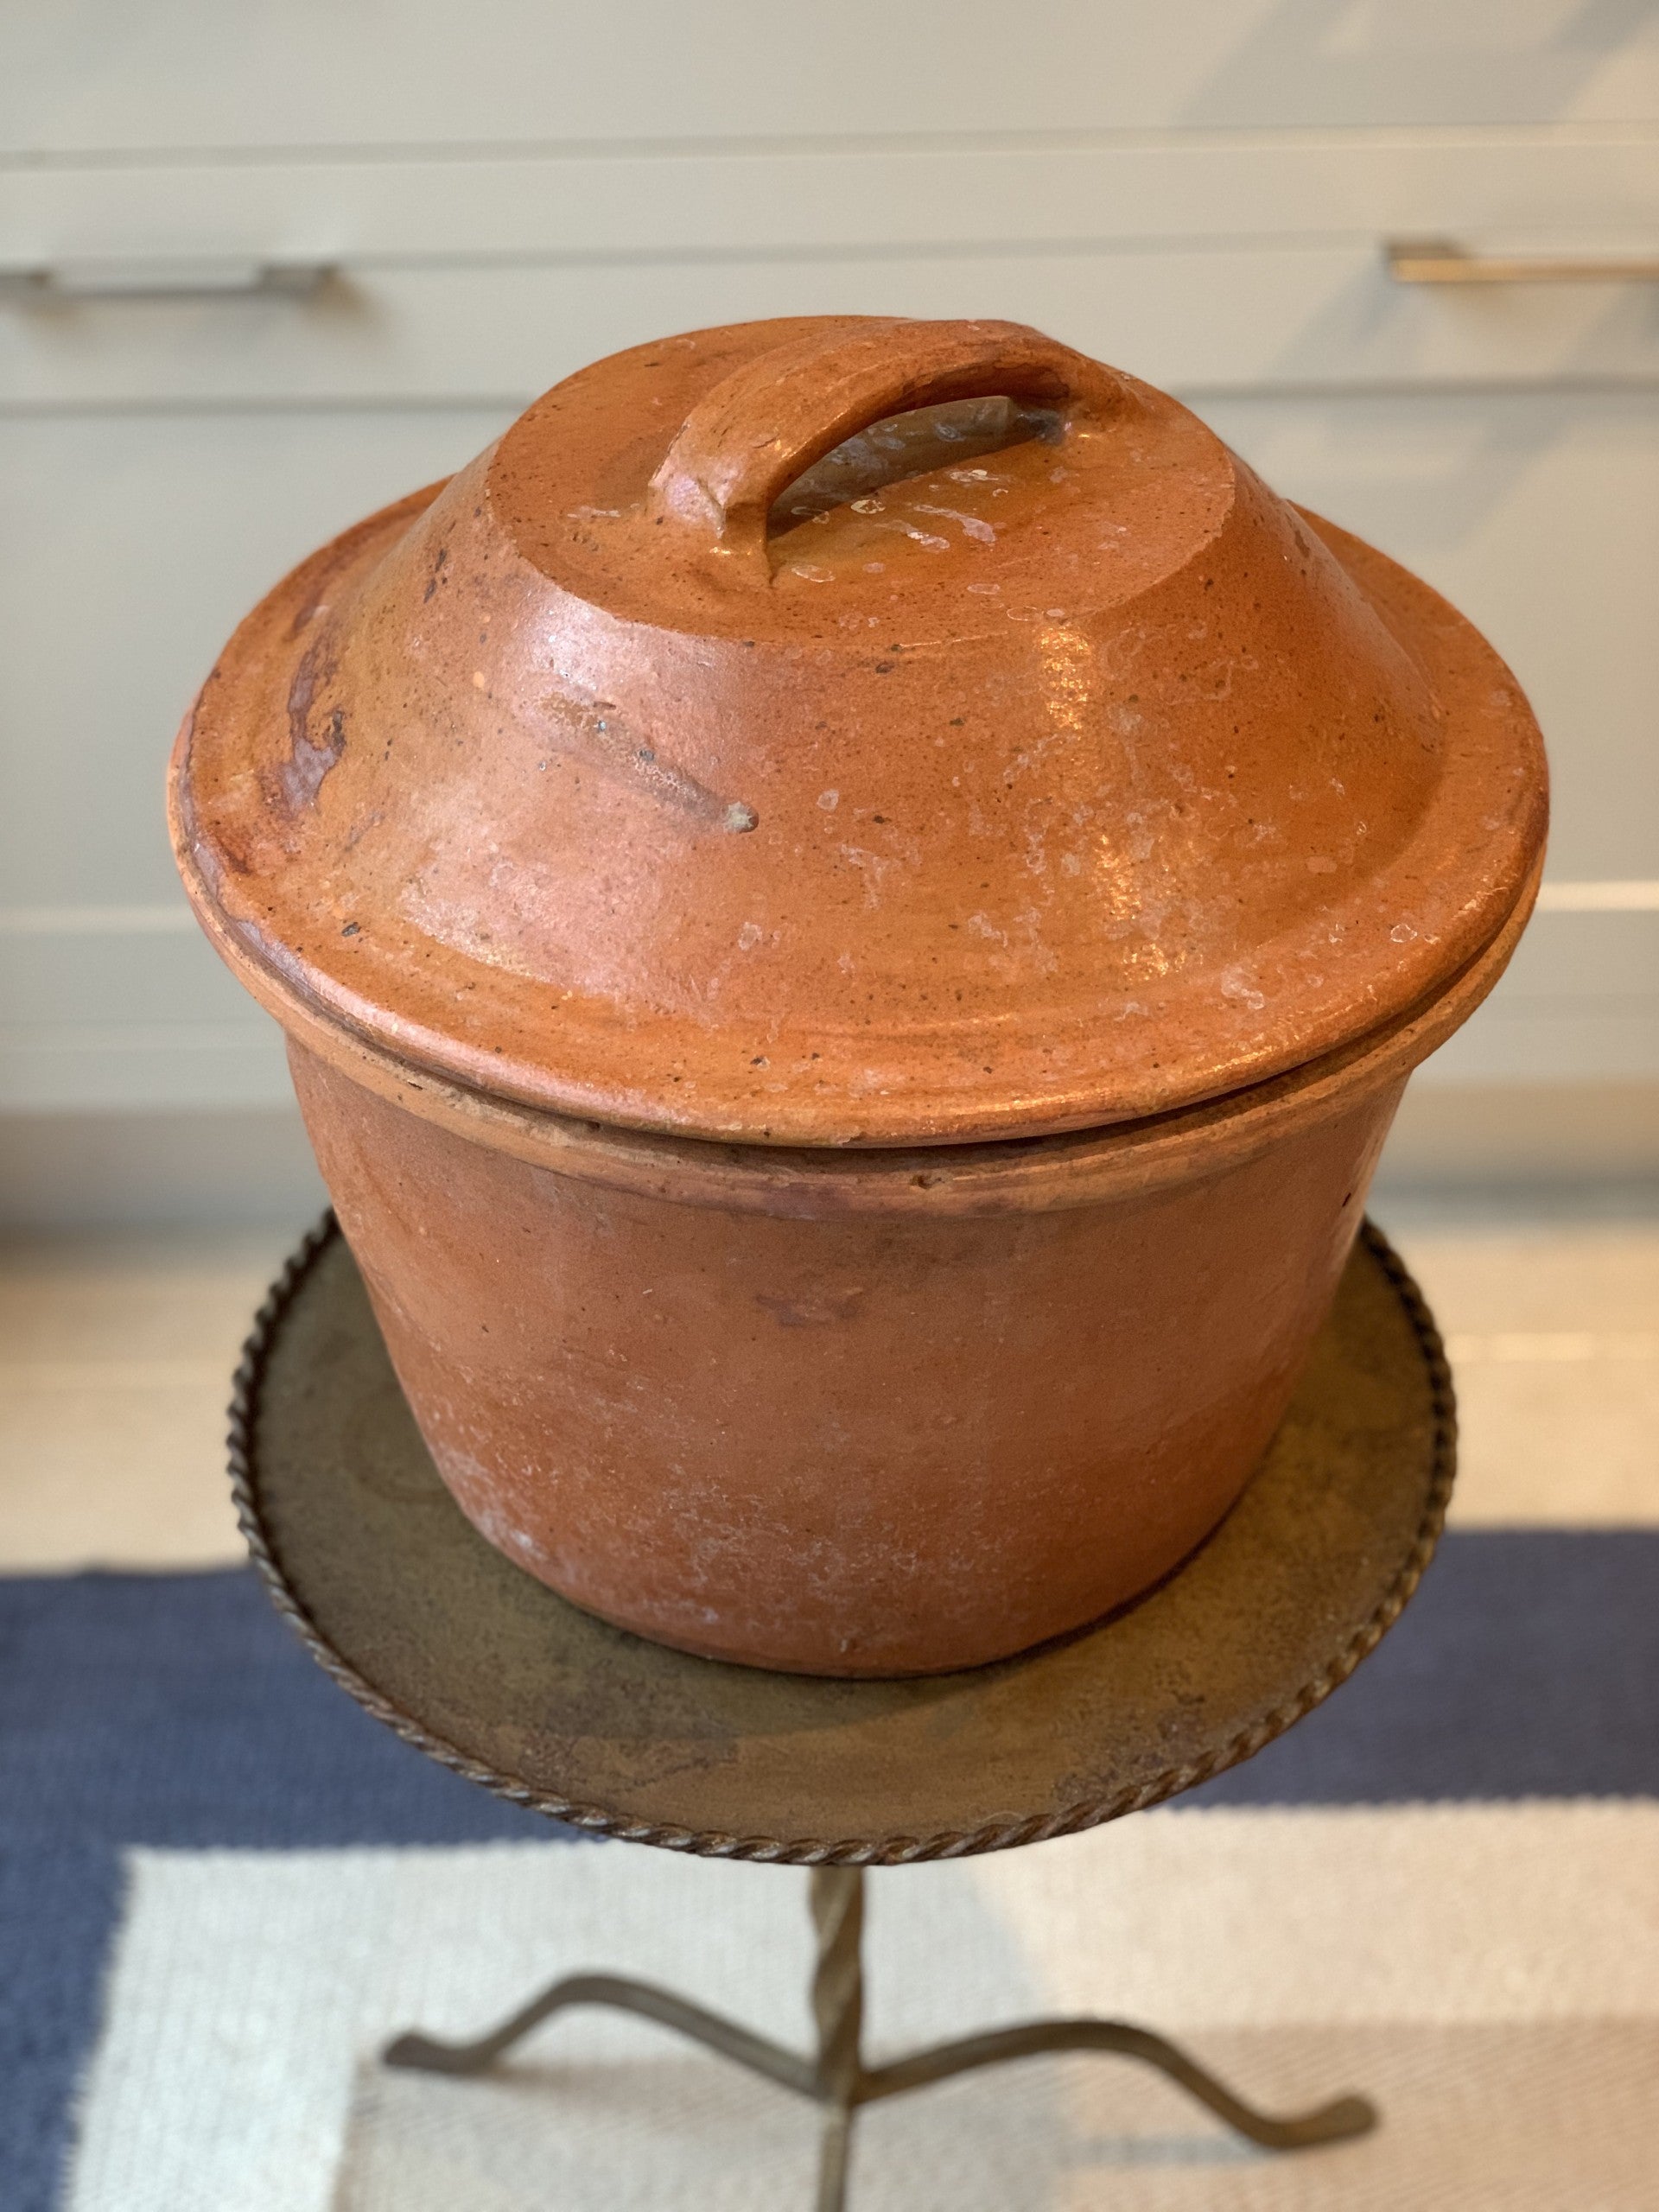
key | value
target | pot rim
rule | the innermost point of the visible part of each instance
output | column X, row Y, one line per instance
column 998, row 1175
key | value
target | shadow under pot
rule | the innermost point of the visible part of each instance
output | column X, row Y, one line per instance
column 853, row 902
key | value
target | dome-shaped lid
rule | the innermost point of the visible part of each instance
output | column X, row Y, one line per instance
column 649, row 772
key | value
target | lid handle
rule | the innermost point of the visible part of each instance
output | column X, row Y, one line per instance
column 749, row 438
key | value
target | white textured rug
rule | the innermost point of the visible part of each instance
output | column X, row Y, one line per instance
column 1490, row 1973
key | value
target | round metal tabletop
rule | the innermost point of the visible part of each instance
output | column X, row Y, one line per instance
column 494, row 1675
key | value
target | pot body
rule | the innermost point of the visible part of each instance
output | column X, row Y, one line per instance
column 849, row 1002
column 782, row 1428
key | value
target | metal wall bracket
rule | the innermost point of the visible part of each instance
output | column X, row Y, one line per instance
column 1441, row 261
column 71, row 283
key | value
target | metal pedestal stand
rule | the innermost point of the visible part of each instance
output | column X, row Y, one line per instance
column 836, row 2074
column 499, row 1680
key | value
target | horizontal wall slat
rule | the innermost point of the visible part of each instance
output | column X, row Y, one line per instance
column 1563, row 1042
column 105, row 75
column 114, row 978
column 1256, row 319
column 129, row 1069
column 1573, row 188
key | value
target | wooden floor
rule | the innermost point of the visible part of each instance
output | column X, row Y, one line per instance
column 116, row 1355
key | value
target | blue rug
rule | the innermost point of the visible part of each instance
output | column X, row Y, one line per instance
column 177, row 1710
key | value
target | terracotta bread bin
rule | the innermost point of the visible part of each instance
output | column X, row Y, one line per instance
column 848, row 975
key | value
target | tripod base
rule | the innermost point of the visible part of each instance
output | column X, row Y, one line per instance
column 836, row 2074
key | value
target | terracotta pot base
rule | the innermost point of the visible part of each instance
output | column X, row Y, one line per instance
column 859, row 1445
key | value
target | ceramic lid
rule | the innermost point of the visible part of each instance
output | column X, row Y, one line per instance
column 670, row 767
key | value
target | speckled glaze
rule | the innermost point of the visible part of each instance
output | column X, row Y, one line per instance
column 788, row 973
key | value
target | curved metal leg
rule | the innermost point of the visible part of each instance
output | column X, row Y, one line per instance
column 431, row 2056
column 1331, row 2123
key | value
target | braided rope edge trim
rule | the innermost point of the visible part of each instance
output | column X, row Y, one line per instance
column 884, row 1851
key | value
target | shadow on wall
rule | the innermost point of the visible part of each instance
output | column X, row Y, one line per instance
column 124, row 1171
column 1589, row 336
column 1596, row 1138
column 1330, row 62
column 1422, row 476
